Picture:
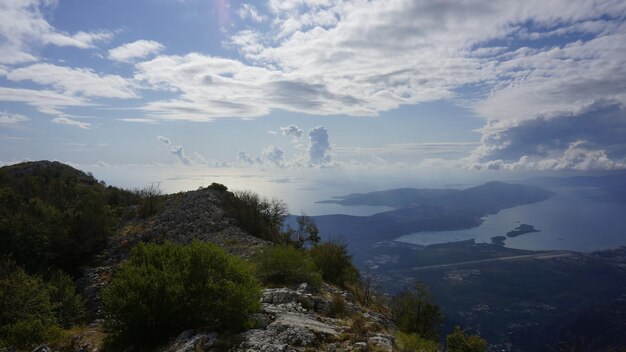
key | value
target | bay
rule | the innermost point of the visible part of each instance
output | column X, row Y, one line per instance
column 571, row 220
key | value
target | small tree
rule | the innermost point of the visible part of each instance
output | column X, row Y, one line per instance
column 150, row 197
column 458, row 341
column 414, row 311
column 307, row 231
column 366, row 293
column 165, row 289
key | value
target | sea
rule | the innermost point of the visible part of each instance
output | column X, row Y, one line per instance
column 570, row 220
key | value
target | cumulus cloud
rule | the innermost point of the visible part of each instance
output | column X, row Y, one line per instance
column 76, row 81
column 274, row 155
column 292, row 130
column 592, row 138
column 245, row 158
column 9, row 118
column 71, row 122
column 23, row 27
column 164, row 140
column 136, row 50
column 180, row 155
column 319, row 147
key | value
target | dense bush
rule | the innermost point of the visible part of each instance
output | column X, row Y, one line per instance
column 26, row 312
column 285, row 265
column 165, row 289
column 260, row 217
column 335, row 264
column 414, row 311
column 414, row 343
column 458, row 341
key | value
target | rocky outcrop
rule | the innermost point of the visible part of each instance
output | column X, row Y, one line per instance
column 285, row 324
column 182, row 218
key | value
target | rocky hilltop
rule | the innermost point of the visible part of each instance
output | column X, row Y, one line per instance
column 296, row 318
column 71, row 208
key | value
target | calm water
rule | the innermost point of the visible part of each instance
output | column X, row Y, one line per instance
column 569, row 221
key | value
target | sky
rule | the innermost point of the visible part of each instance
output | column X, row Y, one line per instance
column 313, row 87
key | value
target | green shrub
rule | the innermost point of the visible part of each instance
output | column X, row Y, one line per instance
column 285, row 265
column 335, row 264
column 260, row 217
column 414, row 311
column 165, row 289
column 414, row 343
column 458, row 341
column 68, row 306
column 26, row 313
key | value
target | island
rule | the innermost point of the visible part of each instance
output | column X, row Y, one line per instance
column 522, row 229
column 498, row 240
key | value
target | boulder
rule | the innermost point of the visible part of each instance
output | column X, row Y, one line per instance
column 191, row 341
column 279, row 296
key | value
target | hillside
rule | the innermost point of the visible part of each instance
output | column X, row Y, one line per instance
column 53, row 217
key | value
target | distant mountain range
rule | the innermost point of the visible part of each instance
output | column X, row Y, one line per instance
column 425, row 209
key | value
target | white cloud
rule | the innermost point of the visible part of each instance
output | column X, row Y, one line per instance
column 43, row 100
column 247, row 11
column 76, row 81
column 164, row 140
column 180, row 155
column 559, row 79
column 319, row 147
column 245, row 158
column 592, row 138
column 23, row 27
column 292, row 130
column 328, row 57
column 71, row 122
column 274, row 155
column 9, row 118
column 136, row 50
